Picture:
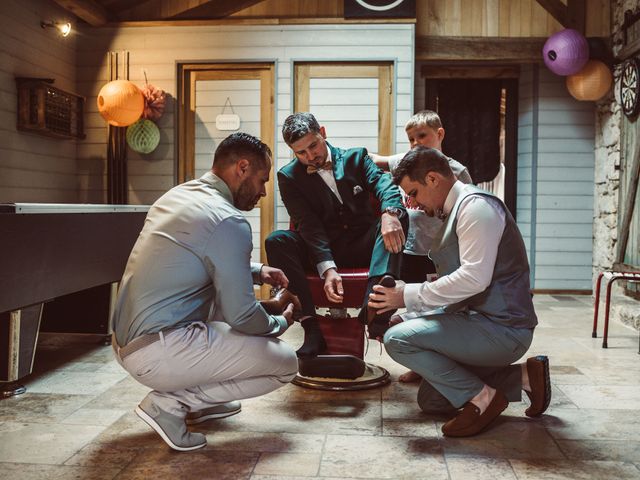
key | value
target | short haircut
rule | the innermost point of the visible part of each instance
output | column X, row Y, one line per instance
column 298, row 125
column 423, row 118
column 242, row 145
column 418, row 162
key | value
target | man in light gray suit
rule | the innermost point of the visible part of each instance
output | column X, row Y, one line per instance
column 463, row 331
column 187, row 323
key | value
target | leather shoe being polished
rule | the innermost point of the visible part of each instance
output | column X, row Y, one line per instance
column 471, row 422
column 278, row 303
column 386, row 281
column 540, row 395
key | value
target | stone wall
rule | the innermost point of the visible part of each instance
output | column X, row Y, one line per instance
column 609, row 125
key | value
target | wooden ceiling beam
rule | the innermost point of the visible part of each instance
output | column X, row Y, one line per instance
column 218, row 9
column 571, row 15
column 184, row 9
column 158, row 9
column 91, row 12
column 505, row 50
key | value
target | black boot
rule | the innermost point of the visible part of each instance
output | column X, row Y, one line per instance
column 314, row 343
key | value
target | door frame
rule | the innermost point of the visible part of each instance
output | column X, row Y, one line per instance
column 383, row 71
column 188, row 75
column 508, row 74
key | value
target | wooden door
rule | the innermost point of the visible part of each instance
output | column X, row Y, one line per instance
column 353, row 100
column 208, row 90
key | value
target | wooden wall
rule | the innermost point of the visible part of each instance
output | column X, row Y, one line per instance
column 483, row 18
column 555, row 181
column 501, row 18
column 34, row 168
column 157, row 49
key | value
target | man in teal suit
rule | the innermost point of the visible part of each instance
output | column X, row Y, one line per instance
column 327, row 192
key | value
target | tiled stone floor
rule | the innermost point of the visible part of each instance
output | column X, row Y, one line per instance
column 77, row 421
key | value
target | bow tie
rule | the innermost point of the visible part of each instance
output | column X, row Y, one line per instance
column 313, row 169
column 441, row 215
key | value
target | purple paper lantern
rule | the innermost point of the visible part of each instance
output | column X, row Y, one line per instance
column 566, row 52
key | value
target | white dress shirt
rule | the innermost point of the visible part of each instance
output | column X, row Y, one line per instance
column 328, row 178
column 480, row 224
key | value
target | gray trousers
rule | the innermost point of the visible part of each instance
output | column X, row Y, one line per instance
column 457, row 354
column 205, row 364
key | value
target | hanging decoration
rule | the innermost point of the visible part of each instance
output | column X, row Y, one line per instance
column 590, row 83
column 566, row 52
column 120, row 102
column 143, row 136
column 154, row 100
column 229, row 121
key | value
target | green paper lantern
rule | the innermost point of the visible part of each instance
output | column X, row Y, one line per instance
column 143, row 136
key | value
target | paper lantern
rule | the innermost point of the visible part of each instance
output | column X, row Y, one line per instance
column 590, row 83
column 120, row 103
column 143, row 136
column 566, row 52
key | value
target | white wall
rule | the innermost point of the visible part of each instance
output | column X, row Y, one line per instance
column 157, row 49
column 34, row 168
column 555, row 181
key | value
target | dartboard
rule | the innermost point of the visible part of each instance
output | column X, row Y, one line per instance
column 630, row 87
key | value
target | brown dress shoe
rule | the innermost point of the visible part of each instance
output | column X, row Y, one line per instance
column 540, row 395
column 277, row 304
column 386, row 281
column 471, row 422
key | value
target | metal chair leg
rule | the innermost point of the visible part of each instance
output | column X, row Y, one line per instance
column 594, row 333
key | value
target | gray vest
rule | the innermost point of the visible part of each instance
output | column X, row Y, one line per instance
column 507, row 299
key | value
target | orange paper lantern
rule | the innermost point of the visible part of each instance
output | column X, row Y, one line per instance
column 590, row 83
column 120, row 103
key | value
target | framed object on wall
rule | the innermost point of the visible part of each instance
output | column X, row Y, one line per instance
column 47, row 110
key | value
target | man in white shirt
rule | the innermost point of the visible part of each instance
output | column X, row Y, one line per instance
column 187, row 323
column 477, row 318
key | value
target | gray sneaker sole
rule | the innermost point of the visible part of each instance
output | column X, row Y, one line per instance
column 212, row 416
column 153, row 424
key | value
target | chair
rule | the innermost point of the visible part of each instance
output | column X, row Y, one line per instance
column 612, row 277
column 342, row 365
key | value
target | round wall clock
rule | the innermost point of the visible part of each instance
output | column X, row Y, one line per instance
column 630, row 87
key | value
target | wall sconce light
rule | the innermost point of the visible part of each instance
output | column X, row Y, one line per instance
column 63, row 28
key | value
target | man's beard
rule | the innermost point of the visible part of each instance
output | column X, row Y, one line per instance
column 245, row 198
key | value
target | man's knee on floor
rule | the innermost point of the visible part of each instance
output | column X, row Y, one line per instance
column 432, row 401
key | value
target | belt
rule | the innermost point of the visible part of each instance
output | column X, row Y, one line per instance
column 139, row 342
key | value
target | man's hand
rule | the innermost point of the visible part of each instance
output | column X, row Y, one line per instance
column 387, row 298
column 274, row 277
column 392, row 233
column 333, row 286
column 288, row 314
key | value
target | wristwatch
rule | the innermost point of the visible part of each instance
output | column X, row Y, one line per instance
column 395, row 211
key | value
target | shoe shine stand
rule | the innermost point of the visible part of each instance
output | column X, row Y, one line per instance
column 341, row 367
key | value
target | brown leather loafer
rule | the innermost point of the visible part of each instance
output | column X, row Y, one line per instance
column 540, row 395
column 471, row 422
column 277, row 304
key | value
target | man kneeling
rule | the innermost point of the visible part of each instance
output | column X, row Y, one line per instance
column 463, row 331
column 187, row 323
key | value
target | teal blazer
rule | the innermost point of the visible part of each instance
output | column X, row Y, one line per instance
column 318, row 215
